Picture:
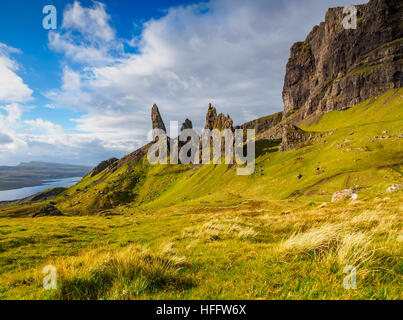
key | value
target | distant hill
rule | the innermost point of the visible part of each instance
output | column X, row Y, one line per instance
column 29, row 174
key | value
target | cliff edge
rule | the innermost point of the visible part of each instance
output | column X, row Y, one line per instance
column 337, row 68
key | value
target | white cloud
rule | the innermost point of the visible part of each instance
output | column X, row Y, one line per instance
column 92, row 22
column 12, row 87
column 10, row 143
column 71, row 80
column 93, row 40
column 13, row 91
column 14, row 112
column 45, row 126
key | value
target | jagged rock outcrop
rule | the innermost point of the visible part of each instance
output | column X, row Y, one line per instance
column 187, row 125
column 274, row 133
column 102, row 166
column 214, row 121
column 335, row 68
column 293, row 137
column 157, row 122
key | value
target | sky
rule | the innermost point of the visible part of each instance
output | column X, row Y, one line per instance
column 83, row 92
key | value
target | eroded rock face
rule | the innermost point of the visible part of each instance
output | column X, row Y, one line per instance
column 187, row 125
column 157, row 122
column 274, row 133
column 214, row 121
column 293, row 137
column 334, row 68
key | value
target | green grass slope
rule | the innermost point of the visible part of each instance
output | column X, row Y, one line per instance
column 202, row 232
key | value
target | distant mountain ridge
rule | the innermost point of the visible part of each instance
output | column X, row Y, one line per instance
column 34, row 173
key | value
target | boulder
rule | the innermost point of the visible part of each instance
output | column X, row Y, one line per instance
column 394, row 187
column 343, row 194
column 47, row 211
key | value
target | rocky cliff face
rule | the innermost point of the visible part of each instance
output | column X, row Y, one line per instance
column 335, row 68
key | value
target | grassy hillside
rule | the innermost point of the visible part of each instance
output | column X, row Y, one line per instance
column 351, row 155
column 202, row 232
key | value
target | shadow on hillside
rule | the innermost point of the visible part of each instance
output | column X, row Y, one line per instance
column 266, row 146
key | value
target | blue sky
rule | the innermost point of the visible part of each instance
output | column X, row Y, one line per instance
column 83, row 92
column 23, row 29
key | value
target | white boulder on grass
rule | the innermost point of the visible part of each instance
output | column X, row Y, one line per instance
column 395, row 187
column 343, row 194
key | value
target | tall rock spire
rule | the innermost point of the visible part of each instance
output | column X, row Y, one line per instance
column 156, row 119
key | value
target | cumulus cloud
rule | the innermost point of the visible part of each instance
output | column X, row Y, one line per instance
column 45, row 126
column 13, row 91
column 86, row 35
column 11, row 142
column 12, row 87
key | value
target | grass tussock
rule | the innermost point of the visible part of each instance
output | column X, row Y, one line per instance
column 273, row 253
column 367, row 239
column 334, row 240
column 129, row 274
column 220, row 229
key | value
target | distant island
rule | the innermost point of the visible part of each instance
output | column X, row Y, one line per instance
column 34, row 173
